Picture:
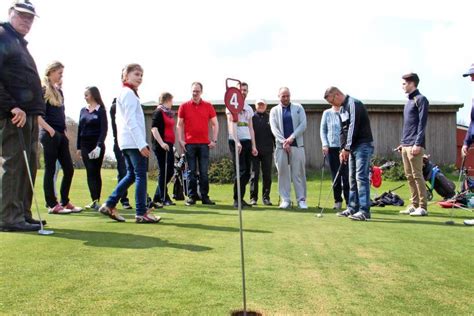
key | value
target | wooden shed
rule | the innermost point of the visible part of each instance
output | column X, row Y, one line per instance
column 386, row 119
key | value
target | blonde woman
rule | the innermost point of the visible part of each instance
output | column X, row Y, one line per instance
column 55, row 142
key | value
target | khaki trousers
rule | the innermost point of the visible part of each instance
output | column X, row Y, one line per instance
column 413, row 166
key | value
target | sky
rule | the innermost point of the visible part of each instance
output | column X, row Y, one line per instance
column 363, row 47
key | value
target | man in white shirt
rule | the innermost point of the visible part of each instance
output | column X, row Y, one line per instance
column 241, row 134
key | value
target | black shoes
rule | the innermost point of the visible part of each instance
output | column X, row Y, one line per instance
column 35, row 221
column 208, row 201
column 267, row 202
column 20, row 227
column 243, row 203
column 126, row 205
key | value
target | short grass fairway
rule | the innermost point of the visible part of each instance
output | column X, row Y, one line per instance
column 296, row 263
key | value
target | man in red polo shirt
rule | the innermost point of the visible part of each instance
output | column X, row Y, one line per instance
column 193, row 137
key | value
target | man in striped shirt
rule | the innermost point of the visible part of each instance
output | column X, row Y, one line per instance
column 357, row 151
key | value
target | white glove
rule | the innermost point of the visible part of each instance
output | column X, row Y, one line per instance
column 95, row 153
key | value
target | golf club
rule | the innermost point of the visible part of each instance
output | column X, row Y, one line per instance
column 42, row 231
column 321, row 181
column 320, row 214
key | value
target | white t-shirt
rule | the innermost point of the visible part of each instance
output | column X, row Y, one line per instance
column 245, row 116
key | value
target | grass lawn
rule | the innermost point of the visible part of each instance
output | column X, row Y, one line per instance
column 190, row 263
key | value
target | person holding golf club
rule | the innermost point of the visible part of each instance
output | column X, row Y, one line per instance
column 55, row 142
column 163, row 138
column 193, row 137
column 357, row 149
column 330, row 133
column 132, row 141
column 241, row 134
column 288, row 123
column 469, row 139
column 21, row 102
column 412, row 145
column 265, row 142
column 91, row 135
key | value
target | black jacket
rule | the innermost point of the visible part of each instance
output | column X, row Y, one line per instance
column 264, row 139
column 20, row 85
column 355, row 124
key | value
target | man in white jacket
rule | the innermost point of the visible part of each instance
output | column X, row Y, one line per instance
column 288, row 123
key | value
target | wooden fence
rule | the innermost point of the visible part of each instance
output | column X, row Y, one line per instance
column 386, row 118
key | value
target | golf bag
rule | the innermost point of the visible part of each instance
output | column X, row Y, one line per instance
column 436, row 180
column 178, row 186
column 375, row 173
column 181, row 179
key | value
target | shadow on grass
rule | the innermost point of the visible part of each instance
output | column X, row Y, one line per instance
column 431, row 214
column 215, row 228
column 418, row 222
column 131, row 213
column 122, row 240
column 190, row 212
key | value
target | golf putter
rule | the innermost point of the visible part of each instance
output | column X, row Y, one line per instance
column 320, row 214
column 42, row 231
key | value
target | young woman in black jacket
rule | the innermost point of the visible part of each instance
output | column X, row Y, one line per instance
column 90, row 141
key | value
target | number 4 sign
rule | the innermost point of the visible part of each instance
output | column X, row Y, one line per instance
column 233, row 99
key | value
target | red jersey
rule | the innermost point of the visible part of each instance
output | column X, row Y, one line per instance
column 196, row 118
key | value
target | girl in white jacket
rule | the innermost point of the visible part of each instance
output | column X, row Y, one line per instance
column 132, row 141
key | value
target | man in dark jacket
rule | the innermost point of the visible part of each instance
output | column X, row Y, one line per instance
column 265, row 145
column 357, row 150
column 21, row 101
column 412, row 145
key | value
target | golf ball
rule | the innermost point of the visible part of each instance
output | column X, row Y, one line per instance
column 320, row 215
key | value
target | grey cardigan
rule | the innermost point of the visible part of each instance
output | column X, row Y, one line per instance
column 299, row 124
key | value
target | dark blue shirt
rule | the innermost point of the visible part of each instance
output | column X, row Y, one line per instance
column 415, row 117
column 55, row 116
column 92, row 126
column 288, row 123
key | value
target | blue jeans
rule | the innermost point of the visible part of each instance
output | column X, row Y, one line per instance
column 359, row 166
column 198, row 154
column 136, row 172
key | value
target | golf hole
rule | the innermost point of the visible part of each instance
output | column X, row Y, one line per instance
column 249, row 313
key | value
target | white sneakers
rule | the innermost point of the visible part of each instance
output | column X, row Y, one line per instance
column 302, row 205
column 419, row 212
column 414, row 211
column 337, row 206
column 408, row 211
column 285, row 204
column 469, row 222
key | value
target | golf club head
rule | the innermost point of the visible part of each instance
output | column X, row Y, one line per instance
column 449, row 222
column 319, row 215
column 45, row 232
